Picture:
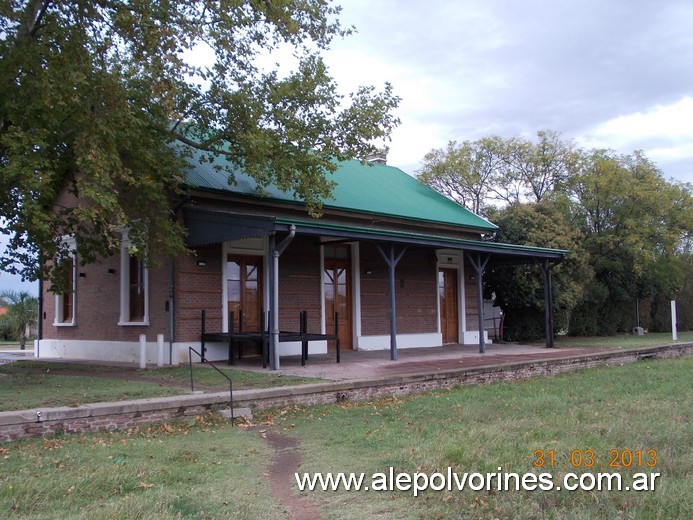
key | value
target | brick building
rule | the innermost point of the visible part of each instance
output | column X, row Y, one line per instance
column 401, row 264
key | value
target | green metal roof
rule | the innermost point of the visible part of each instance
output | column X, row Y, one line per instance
column 375, row 189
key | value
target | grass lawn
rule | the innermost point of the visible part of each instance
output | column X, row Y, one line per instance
column 643, row 406
column 173, row 471
column 39, row 384
column 211, row 470
column 623, row 341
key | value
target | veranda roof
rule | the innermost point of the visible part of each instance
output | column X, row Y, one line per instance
column 207, row 226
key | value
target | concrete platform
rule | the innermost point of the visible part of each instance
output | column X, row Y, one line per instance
column 374, row 364
column 362, row 376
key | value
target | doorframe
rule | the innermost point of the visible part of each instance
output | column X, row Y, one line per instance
column 354, row 262
column 248, row 247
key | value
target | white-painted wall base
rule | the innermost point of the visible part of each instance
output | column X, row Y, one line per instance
column 220, row 351
column 471, row 337
column 129, row 351
column 382, row 342
column 115, row 351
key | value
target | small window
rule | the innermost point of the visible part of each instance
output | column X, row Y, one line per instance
column 137, row 289
column 65, row 301
column 341, row 251
column 134, row 290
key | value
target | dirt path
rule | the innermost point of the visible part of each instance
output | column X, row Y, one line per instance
column 287, row 461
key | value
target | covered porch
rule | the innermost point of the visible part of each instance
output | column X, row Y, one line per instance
column 217, row 226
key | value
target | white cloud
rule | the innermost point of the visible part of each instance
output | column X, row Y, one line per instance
column 663, row 132
column 672, row 123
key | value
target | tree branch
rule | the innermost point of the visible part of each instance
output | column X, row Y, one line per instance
column 200, row 146
column 33, row 16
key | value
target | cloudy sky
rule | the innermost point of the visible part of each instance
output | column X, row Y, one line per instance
column 606, row 73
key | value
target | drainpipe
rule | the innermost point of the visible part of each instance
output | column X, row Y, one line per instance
column 274, row 307
column 39, row 331
column 172, row 286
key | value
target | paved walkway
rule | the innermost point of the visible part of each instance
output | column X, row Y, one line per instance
column 373, row 364
column 376, row 364
column 8, row 355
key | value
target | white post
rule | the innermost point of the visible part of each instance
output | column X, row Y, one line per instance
column 160, row 342
column 143, row 351
column 674, row 333
column 36, row 348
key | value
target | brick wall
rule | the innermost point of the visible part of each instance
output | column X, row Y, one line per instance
column 415, row 292
column 299, row 284
column 198, row 288
column 97, row 305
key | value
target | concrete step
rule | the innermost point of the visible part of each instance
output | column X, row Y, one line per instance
column 237, row 412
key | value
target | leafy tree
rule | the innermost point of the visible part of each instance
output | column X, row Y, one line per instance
column 22, row 313
column 519, row 290
column 635, row 224
column 101, row 107
column 478, row 174
column 628, row 228
column 535, row 170
column 465, row 172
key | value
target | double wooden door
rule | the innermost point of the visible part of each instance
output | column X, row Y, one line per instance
column 336, row 280
column 244, row 292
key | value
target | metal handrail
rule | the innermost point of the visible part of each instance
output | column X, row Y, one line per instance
column 192, row 383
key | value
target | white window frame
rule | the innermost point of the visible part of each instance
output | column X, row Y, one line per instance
column 124, row 320
column 58, row 319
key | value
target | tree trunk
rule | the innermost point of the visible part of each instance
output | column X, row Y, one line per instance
column 22, row 338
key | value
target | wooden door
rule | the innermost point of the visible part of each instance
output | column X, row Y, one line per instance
column 244, row 291
column 337, row 284
column 449, row 314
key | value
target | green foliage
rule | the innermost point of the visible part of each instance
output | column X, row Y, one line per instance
column 465, row 173
column 636, row 228
column 492, row 170
column 22, row 313
column 628, row 230
column 96, row 94
column 519, row 290
column 535, row 170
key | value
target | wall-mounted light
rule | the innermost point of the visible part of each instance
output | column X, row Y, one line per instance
column 111, row 271
column 368, row 272
column 202, row 263
column 82, row 275
column 472, row 277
